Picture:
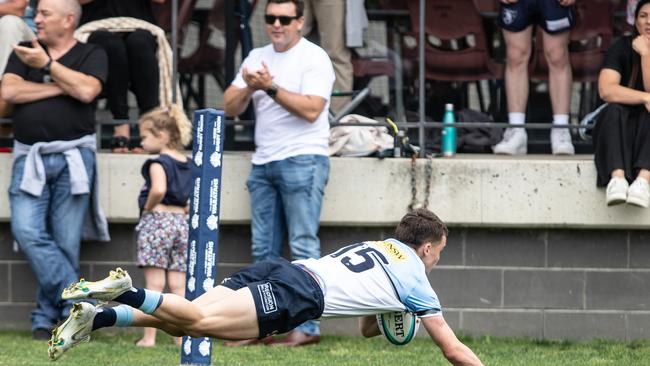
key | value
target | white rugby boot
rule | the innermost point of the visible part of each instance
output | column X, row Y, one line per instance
column 117, row 282
column 74, row 330
column 514, row 142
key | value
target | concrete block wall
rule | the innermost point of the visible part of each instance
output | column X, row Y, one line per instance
column 556, row 284
column 539, row 283
column 533, row 249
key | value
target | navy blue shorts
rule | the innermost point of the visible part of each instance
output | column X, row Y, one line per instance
column 548, row 14
column 285, row 295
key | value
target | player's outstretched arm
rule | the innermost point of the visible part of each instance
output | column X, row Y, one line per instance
column 454, row 350
column 368, row 326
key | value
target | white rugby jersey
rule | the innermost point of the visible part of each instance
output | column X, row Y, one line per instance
column 374, row 277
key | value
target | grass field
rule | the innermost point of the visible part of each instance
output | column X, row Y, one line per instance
column 17, row 348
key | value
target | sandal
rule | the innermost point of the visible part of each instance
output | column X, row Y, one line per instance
column 119, row 144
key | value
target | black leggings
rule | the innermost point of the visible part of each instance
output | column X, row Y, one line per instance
column 132, row 64
column 621, row 141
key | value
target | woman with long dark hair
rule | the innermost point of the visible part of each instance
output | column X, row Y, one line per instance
column 622, row 132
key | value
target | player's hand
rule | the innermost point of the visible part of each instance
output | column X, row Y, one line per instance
column 35, row 56
column 566, row 2
column 641, row 45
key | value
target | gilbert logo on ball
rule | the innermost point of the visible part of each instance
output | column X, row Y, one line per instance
column 398, row 327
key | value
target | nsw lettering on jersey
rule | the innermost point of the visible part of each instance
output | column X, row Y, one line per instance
column 374, row 277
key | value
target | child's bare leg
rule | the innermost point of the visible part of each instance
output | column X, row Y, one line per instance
column 176, row 284
column 154, row 279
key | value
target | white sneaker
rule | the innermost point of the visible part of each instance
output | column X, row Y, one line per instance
column 74, row 330
column 561, row 142
column 617, row 189
column 514, row 142
column 639, row 193
column 117, row 283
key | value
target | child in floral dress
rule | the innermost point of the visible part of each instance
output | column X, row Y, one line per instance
column 162, row 232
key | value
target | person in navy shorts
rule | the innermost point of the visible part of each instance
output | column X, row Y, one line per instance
column 275, row 296
column 554, row 19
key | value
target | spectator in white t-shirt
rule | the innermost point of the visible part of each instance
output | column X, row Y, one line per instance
column 290, row 83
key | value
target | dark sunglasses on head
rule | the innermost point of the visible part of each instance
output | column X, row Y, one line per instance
column 284, row 19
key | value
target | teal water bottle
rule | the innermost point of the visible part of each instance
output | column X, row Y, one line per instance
column 449, row 132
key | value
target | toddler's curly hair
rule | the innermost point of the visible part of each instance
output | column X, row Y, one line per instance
column 174, row 121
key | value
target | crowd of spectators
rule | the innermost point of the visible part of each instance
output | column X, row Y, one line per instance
column 331, row 23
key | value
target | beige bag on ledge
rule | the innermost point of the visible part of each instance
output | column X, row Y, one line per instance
column 358, row 140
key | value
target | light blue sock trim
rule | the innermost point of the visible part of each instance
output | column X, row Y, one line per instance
column 124, row 316
column 151, row 301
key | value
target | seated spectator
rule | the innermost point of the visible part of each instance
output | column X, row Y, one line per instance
column 14, row 30
column 53, row 82
column 555, row 19
column 622, row 132
column 132, row 63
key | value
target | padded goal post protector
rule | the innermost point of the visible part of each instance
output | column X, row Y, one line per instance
column 207, row 148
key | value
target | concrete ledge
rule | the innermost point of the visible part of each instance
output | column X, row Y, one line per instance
column 468, row 190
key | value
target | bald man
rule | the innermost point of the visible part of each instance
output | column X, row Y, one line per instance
column 52, row 81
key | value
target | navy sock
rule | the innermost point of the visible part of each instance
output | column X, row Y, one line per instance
column 140, row 298
column 133, row 297
column 119, row 316
column 106, row 317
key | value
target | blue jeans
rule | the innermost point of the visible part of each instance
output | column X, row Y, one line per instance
column 286, row 198
column 48, row 230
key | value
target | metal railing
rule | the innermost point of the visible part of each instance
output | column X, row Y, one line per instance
column 421, row 126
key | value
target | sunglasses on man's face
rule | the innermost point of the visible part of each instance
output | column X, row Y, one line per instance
column 284, row 19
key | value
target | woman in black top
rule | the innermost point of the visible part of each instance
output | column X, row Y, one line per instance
column 622, row 132
column 132, row 62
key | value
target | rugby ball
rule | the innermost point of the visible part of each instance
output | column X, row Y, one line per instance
column 398, row 327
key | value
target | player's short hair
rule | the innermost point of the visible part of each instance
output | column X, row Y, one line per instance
column 420, row 226
column 300, row 6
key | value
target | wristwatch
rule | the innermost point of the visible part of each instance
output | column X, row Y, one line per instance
column 46, row 68
column 272, row 91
